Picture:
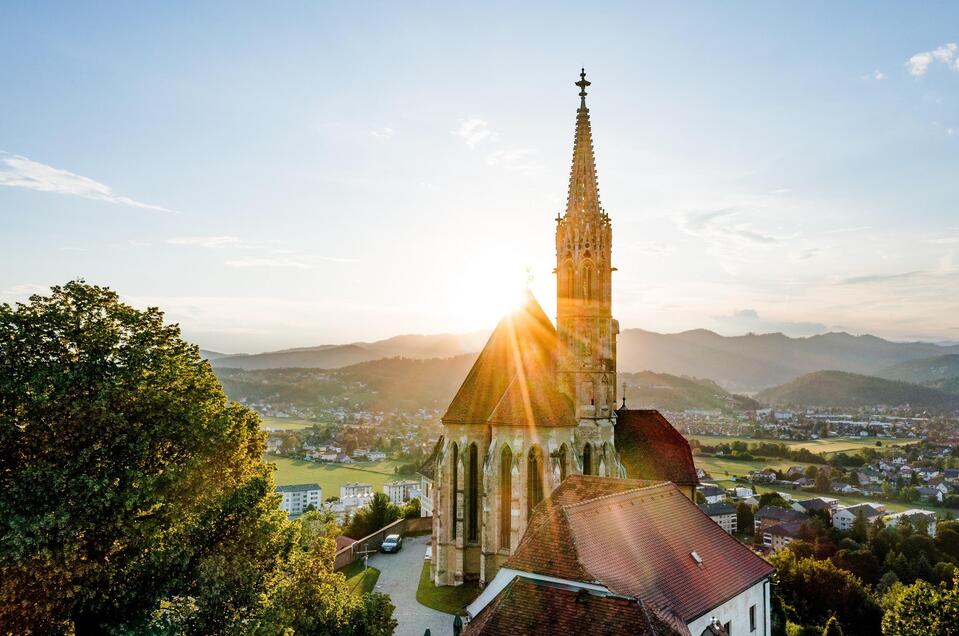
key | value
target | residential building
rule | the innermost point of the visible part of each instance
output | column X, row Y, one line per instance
column 298, row 497
column 911, row 516
column 400, row 492
column 712, row 493
column 778, row 536
column 843, row 517
column 722, row 513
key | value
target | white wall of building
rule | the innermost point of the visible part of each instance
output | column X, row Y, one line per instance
column 735, row 611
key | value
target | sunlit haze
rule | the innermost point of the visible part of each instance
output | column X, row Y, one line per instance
column 327, row 173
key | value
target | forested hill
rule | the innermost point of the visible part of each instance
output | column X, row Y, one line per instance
column 403, row 383
column 832, row 389
column 941, row 372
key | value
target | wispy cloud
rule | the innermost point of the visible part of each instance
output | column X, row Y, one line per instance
column 24, row 290
column 878, row 75
column 516, row 159
column 268, row 263
column 725, row 224
column 749, row 321
column 215, row 242
column 919, row 63
column 384, row 133
column 25, row 173
column 474, row 132
column 880, row 278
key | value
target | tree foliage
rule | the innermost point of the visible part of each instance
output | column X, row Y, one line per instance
column 133, row 496
column 923, row 609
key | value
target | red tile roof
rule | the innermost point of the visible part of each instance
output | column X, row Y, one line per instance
column 536, row 608
column 650, row 448
column 637, row 540
column 513, row 381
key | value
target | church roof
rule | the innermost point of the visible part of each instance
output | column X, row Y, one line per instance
column 650, row 448
column 513, row 381
column 638, row 539
column 537, row 608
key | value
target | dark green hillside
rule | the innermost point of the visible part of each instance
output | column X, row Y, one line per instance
column 674, row 393
column 940, row 372
column 841, row 389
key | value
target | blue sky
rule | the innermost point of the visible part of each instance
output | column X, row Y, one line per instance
column 307, row 173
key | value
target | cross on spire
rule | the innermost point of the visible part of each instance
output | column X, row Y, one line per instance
column 582, row 83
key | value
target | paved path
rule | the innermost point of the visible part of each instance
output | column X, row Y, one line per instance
column 399, row 577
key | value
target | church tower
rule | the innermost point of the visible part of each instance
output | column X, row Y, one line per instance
column 587, row 331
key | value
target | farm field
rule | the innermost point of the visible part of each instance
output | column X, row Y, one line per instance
column 330, row 476
column 825, row 446
column 285, row 423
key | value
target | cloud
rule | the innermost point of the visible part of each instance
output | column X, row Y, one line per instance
column 748, row 321
column 25, row 290
column 214, row 242
column 384, row 133
column 878, row 75
column 270, row 263
column 879, row 278
column 25, row 173
column 722, row 225
column 474, row 132
column 515, row 159
column 919, row 63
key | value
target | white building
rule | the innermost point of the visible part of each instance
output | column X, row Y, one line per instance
column 400, row 492
column 722, row 513
column 297, row 498
column 843, row 517
column 355, row 489
column 375, row 456
column 907, row 515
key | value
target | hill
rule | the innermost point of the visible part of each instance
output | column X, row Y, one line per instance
column 752, row 362
column 409, row 384
column 673, row 393
column 337, row 356
column 838, row 389
column 941, row 372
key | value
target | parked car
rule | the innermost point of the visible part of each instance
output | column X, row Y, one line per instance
column 392, row 543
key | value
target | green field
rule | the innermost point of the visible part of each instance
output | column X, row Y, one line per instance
column 286, row 423
column 823, row 446
column 330, row 476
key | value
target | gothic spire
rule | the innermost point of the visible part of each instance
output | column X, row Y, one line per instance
column 583, row 198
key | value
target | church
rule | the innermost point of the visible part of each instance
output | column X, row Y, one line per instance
column 540, row 402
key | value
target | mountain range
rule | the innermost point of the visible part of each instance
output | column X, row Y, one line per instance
column 746, row 363
column 839, row 389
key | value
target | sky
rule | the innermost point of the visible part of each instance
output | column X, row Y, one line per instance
column 302, row 173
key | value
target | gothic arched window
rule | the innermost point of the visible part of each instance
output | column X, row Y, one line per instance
column 454, row 483
column 588, row 459
column 472, row 495
column 505, row 496
column 568, row 282
column 588, row 283
column 534, row 479
column 563, row 466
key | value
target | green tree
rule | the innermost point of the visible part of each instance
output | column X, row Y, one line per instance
column 745, row 520
column 813, row 590
column 923, row 609
column 823, row 482
column 860, row 528
column 380, row 512
column 133, row 496
column 832, row 627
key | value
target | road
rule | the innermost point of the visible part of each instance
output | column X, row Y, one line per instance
column 399, row 576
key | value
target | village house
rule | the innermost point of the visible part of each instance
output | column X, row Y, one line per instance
column 722, row 513
column 843, row 517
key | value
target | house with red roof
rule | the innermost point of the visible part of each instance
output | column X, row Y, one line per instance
column 540, row 402
column 605, row 548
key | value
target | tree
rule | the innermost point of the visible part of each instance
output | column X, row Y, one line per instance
column 823, row 483
column 377, row 514
column 412, row 509
column 832, row 627
column 860, row 528
column 745, row 520
column 813, row 590
column 923, row 609
column 133, row 495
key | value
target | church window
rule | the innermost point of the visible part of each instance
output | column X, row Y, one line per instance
column 588, row 283
column 454, row 478
column 505, row 496
column 588, row 460
column 563, row 468
column 569, row 282
column 534, row 480
column 473, row 495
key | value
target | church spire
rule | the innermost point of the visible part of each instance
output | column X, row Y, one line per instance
column 583, row 198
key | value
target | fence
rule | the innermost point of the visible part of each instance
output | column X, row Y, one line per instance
column 354, row 551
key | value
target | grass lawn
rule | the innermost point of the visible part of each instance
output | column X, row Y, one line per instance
column 330, row 476
column 361, row 580
column 286, row 423
column 824, row 446
column 449, row 599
